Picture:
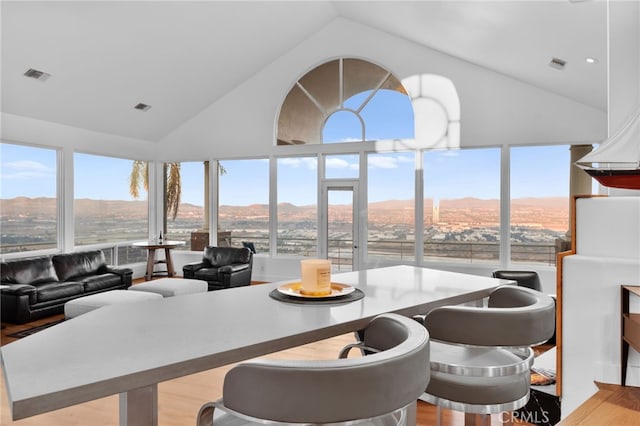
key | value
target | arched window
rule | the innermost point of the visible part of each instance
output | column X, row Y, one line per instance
column 345, row 100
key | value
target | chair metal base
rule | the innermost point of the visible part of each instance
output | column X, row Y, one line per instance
column 473, row 419
column 215, row 413
column 475, row 408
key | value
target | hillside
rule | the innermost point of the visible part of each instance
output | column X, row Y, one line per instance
column 548, row 213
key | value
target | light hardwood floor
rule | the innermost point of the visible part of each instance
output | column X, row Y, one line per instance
column 179, row 400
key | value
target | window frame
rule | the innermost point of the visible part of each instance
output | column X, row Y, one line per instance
column 215, row 212
column 58, row 196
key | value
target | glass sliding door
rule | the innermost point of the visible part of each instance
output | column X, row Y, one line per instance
column 339, row 219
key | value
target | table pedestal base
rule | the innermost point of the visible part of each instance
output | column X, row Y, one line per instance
column 139, row 407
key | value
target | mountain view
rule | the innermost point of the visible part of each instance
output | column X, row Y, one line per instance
column 533, row 220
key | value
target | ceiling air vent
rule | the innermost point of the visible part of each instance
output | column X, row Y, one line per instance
column 142, row 107
column 38, row 75
column 557, row 63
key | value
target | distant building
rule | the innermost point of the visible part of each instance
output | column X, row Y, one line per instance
column 436, row 212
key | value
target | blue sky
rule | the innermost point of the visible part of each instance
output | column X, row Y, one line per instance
column 27, row 172
column 388, row 115
column 535, row 172
column 31, row 172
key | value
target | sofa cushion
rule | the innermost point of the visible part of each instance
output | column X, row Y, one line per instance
column 58, row 290
column 69, row 266
column 220, row 256
column 99, row 282
column 207, row 274
column 28, row 271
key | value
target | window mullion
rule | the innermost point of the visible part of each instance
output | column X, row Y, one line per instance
column 312, row 99
column 66, row 211
column 419, row 207
column 273, row 206
column 505, row 207
column 373, row 93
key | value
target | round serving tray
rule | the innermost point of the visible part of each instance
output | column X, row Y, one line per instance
column 295, row 290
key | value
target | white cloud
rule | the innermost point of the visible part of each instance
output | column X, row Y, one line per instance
column 292, row 162
column 337, row 163
column 405, row 159
column 383, row 162
column 26, row 169
column 310, row 163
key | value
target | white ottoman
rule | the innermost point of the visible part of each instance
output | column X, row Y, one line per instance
column 168, row 287
column 82, row 305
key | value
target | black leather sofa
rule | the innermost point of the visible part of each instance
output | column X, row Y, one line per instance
column 222, row 267
column 39, row 287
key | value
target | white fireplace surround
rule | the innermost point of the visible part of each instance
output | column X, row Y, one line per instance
column 607, row 256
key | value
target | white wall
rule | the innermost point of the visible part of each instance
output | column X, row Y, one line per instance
column 624, row 61
column 607, row 256
column 495, row 109
column 27, row 130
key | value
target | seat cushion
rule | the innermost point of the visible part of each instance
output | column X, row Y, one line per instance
column 479, row 390
column 476, row 360
column 100, row 282
column 477, row 375
column 168, row 287
column 207, row 274
column 57, row 290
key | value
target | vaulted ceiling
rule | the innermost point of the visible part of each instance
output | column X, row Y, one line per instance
column 180, row 57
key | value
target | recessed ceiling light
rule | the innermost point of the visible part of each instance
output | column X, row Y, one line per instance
column 591, row 60
column 142, row 107
column 37, row 74
column 557, row 63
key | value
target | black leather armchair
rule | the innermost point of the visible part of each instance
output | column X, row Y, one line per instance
column 222, row 267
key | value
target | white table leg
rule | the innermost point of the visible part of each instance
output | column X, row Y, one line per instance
column 139, row 407
column 412, row 414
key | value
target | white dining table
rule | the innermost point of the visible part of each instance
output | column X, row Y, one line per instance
column 128, row 349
